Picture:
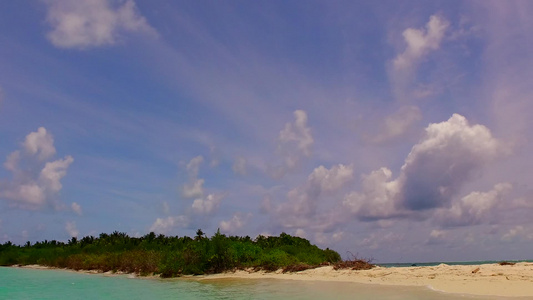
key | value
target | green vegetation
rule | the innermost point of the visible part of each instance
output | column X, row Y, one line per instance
column 170, row 256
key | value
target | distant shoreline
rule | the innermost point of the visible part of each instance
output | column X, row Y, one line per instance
column 482, row 280
column 451, row 263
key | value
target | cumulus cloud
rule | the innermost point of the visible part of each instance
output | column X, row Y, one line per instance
column 419, row 42
column 32, row 187
column 397, row 124
column 207, row 205
column 295, row 140
column 376, row 200
column 239, row 166
column 438, row 166
column 71, row 229
column 330, row 179
column 12, row 161
column 51, row 174
column 165, row 225
column 433, row 173
column 93, row 23
column 303, row 201
column 40, row 143
column 193, row 189
column 475, row 208
column 235, row 223
column 76, row 208
column 200, row 207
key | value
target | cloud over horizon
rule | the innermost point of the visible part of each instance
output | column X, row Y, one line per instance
column 384, row 129
column 34, row 186
column 433, row 173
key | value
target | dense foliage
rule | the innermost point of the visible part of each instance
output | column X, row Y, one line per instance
column 169, row 256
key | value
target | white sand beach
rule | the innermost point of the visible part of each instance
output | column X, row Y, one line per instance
column 488, row 279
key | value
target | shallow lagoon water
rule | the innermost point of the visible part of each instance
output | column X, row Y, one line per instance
column 17, row 283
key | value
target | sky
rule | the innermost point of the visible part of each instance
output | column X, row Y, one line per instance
column 397, row 130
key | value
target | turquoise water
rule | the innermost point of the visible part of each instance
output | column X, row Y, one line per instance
column 16, row 283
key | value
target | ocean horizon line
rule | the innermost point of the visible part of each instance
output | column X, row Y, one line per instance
column 451, row 263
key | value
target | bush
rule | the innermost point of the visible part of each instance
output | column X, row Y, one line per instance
column 170, row 256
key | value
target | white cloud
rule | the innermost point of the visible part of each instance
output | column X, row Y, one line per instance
column 71, row 229
column 397, row 124
column 26, row 195
column 420, row 42
column 403, row 68
column 76, row 208
column 164, row 225
column 239, row 166
column 475, row 208
column 433, row 173
column 303, row 201
column 295, row 140
column 12, row 161
column 92, row 23
column 26, row 190
column 298, row 132
column 376, row 200
column 51, row 174
column 235, row 223
column 444, row 160
column 40, row 143
column 193, row 189
column 207, row 205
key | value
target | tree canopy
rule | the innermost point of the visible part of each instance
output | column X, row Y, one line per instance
column 169, row 256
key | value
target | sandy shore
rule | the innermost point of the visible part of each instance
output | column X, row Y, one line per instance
column 488, row 280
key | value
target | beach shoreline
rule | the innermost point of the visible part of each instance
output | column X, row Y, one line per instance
column 481, row 280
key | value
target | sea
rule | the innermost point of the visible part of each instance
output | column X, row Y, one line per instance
column 453, row 263
column 22, row 283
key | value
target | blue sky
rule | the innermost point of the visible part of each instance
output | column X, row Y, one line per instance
column 395, row 129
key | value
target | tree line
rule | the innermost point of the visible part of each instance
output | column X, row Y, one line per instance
column 170, row 256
